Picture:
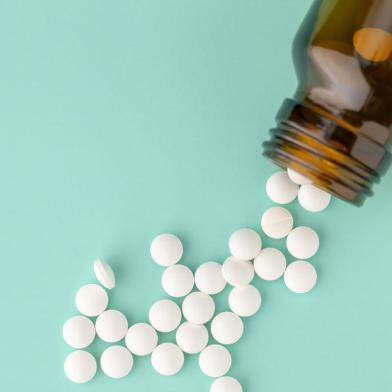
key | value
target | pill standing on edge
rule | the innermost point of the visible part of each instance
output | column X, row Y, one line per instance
column 277, row 222
column 166, row 249
column 191, row 338
column 80, row 366
column 270, row 264
column 91, row 300
column 104, row 274
column 245, row 244
column 226, row 384
column 141, row 339
column 313, row 199
column 177, row 280
column 244, row 301
column 167, row 359
column 300, row 276
column 111, row 326
column 298, row 178
column 215, row 360
column 116, row 361
column 198, row 307
column 209, row 278
column 227, row 328
column 280, row 189
column 238, row 272
column 302, row 242
column 165, row 315
column 79, row 332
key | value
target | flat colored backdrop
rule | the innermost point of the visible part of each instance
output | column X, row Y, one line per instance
column 121, row 120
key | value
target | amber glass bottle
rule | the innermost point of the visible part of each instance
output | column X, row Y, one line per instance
column 337, row 128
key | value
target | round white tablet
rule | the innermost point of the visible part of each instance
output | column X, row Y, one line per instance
column 111, row 326
column 166, row 249
column 244, row 300
column 167, row 359
column 303, row 242
column 313, row 199
column 280, row 189
column 270, row 264
column 177, row 280
column 245, row 244
column 165, row 315
column 215, row 360
column 104, row 274
column 191, row 338
column 198, row 308
column 79, row 332
column 80, row 366
column 116, row 361
column 91, row 300
column 298, row 178
column 226, row 384
column 300, row 276
column 141, row 339
column 277, row 222
column 209, row 278
column 227, row 328
column 238, row 272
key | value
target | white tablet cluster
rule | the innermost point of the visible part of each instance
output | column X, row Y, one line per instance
column 247, row 258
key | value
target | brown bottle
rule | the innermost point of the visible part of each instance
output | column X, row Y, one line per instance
column 337, row 129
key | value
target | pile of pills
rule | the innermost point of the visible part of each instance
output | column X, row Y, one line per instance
column 195, row 319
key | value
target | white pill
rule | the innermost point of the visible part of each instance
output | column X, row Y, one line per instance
column 227, row 328
column 141, row 339
column 245, row 244
column 198, row 308
column 166, row 249
column 79, row 332
column 80, row 366
column 91, row 300
column 177, row 280
column 244, row 300
column 165, row 315
column 116, row 361
column 313, row 199
column 209, row 278
column 191, row 338
column 226, row 384
column 104, row 274
column 298, row 178
column 270, row 264
column 277, row 222
column 167, row 359
column 280, row 189
column 303, row 242
column 215, row 360
column 238, row 272
column 300, row 276
column 111, row 326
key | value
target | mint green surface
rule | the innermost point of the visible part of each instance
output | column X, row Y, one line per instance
column 121, row 120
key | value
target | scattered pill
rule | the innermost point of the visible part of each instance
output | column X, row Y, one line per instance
column 91, row 300
column 198, row 307
column 79, row 332
column 141, row 339
column 245, row 244
column 238, row 272
column 303, row 242
column 111, row 326
column 165, row 315
column 191, row 338
column 245, row 301
column 226, row 384
column 80, row 366
column 227, row 328
column 104, row 274
column 313, row 199
column 277, row 222
column 215, row 360
column 300, row 276
column 116, row 361
column 177, row 280
column 167, row 359
column 298, row 178
column 209, row 278
column 280, row 189
column 166, row 249
column 270, row 264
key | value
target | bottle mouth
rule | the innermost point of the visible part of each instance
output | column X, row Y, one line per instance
column 337, row 158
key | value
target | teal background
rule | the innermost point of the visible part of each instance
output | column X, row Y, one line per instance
column 120, row 120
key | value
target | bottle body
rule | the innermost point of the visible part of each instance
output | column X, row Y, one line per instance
column 337, row 128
